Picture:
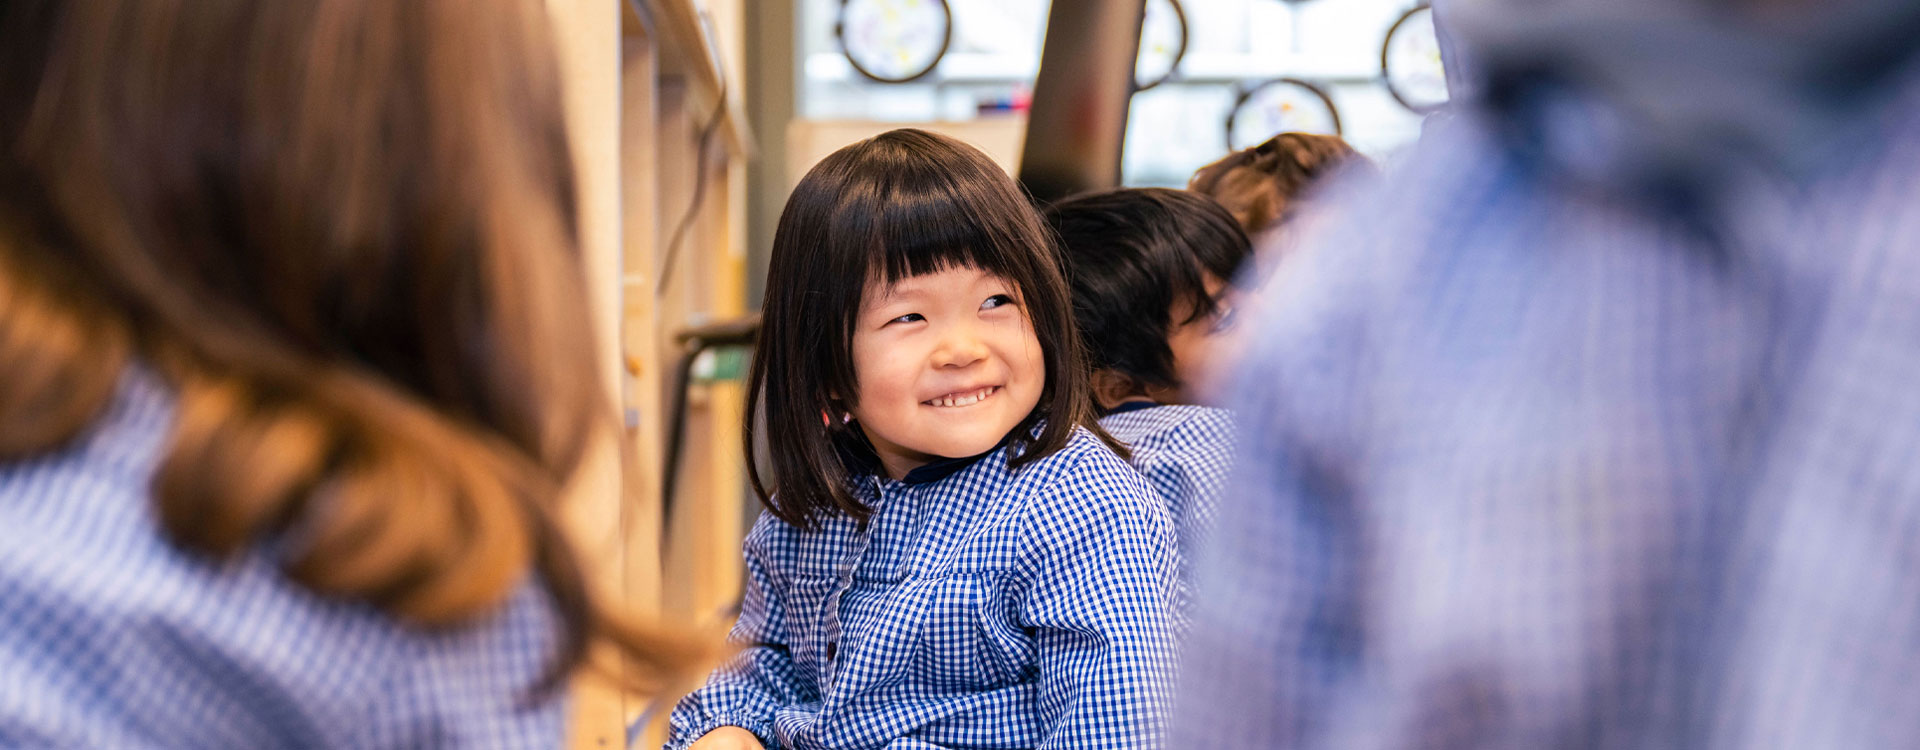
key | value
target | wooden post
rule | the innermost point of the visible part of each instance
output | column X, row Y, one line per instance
column 587, row 39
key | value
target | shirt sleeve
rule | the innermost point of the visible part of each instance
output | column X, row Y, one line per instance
column 1209, row 439
column 1102, row 571
column 476, row 687
column 749, row 689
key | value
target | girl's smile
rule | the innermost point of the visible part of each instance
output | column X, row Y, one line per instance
column 962, row 398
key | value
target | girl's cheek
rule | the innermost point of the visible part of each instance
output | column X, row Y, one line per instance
column 1030, row 344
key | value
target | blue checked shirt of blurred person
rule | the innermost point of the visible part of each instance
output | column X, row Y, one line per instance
column 112, row 637
column 1536, row 459
column 976, row 608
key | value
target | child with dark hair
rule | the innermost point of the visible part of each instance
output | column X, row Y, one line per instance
column 952, row 557
column 1152, row 273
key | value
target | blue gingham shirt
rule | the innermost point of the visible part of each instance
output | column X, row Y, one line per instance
column 1185, row 452
column 110, row 637
column 985, row 609
column 1526, row 465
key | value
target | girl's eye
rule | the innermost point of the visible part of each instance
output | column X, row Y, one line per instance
column 907, row 318
column 997, row 300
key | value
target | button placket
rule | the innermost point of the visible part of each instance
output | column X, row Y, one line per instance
column 862, row 535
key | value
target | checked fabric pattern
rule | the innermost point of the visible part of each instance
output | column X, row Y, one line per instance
column 111, row 637
column 1186, row 453
column 987, row 609
column 1527, row 464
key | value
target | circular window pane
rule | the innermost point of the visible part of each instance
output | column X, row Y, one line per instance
column 1410, row 62
column 895, row 41
column 1284, row 105
column 1163, row 43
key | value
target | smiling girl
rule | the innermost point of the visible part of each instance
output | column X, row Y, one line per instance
column 950, row 558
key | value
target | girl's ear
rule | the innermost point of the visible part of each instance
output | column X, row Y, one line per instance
column 1111, row 388
column 828, row 419
column 836, row 411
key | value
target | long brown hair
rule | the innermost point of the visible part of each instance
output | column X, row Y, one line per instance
column 343, row 231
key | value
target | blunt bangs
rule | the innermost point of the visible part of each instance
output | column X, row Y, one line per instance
column 915, row 241
column 923, row 209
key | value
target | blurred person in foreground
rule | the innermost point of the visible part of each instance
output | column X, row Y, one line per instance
column 1599, row 431
column 294, row 368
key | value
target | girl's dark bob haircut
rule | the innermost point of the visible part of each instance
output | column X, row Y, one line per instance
column 901, row 204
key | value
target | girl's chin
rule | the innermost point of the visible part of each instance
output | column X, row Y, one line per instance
column 954, row 446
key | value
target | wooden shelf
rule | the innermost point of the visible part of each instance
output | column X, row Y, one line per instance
column 686, row 48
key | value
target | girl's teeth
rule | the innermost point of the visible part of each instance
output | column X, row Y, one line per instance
column 967, row 400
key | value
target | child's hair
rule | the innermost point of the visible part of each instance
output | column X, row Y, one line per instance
column 898, row 205
column 352, row 261
column 1261, row 186
column 1132, row 254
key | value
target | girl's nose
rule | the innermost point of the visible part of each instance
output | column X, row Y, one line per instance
column 959, row 348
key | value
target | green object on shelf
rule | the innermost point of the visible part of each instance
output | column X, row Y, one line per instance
column 720, row 365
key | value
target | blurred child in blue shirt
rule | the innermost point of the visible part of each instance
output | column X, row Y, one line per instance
column 1152, row 272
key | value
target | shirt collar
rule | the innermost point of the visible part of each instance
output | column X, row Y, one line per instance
column 1127, row 407
column 941, row 469
column 860, row 458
